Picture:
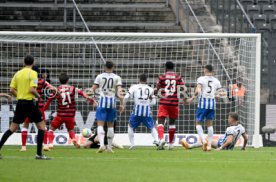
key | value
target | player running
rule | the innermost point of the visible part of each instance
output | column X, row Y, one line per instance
column 207, row 87
column 41, row 86
column 108, row 85
column 169, row 84
column 232, row 135
column 66, row 109
column 143, row 96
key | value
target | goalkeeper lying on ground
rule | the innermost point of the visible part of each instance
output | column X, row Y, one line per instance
column 93, row 141
column 228, row 142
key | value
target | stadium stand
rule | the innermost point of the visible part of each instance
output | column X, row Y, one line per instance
column 253, row 9
column 118, row 15
column 269, row 10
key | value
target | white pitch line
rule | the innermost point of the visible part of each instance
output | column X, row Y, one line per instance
column 160, row 160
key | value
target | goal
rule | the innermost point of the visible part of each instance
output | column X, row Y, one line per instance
column 235, row 57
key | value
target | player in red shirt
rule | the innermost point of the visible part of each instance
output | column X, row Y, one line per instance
column 42, row 85
column 66, row 108
column 167, row 88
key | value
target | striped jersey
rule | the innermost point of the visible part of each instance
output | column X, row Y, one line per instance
column 142, row 95
column 107, row 88
column 207, row 98
column 236, row 131
column 66, row 100
column 41, row 85
column 169, row 83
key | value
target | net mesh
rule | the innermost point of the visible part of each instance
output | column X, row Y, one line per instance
column 233, row 60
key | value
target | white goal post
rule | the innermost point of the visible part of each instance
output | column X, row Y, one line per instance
column 235, row 58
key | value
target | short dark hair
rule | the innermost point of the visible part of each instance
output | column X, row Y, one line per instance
column 143, row 77
column 63, row 78
column 234, row 115
column 169, row 65
column 209, row 67
column 109, row 64
column 29, row 60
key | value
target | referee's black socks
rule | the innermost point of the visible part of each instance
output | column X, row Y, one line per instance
column 4, row 138
column 40, row 136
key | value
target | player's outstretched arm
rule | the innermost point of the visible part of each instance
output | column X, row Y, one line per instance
column 197, row 92
column 5, row 95
column 227, row 143
column 153, row 100
column 47, row 104
column 121, row 97
column 126, row 98
column 245, row 140
column 84, row 95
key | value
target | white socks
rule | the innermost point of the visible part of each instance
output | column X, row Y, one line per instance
column 110, row 136
column 131, row 135
column 200, row 133
column 154, row 134
column 195, row 145
column 100, row 133
column 210, row 135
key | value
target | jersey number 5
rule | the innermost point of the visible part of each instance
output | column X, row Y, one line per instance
column 210, row 86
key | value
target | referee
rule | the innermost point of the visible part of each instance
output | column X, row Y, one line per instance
column 23, row 87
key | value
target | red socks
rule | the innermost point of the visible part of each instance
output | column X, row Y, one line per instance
column 72, row 135
column 51, row 136
column 160, row 130
column 45, row 139
column 24, row 135
column 171, row 133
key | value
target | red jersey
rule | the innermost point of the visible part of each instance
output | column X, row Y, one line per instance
column 66, row 101
column 41, row 85
column 168, row 83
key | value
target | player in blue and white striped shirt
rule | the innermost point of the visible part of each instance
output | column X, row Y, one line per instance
column 143, row 96
column 108, row 85
column 206, row 89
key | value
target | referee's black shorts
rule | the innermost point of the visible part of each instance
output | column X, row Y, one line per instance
column 27, row 109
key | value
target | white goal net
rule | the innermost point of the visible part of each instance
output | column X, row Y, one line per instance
column 235, row 58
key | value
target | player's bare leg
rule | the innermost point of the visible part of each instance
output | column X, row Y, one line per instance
column 101, row 133
column 160, row 130
column 171, row 133
column 45, row 140
column 187, row 146
column 24, row 135
column 51, row 137
column 73, row 138
column 210, row 128
column 201, row 135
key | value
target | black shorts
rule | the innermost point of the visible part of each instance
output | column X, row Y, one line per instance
column 27, row 109
column 94, row 144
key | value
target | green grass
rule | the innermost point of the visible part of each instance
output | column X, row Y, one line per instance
column 143, row 164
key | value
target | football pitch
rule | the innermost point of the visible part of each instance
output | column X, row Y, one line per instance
column 142, row 164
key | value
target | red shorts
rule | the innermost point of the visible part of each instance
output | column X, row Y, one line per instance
column 168, row 111
column 27, row 120
column 69, row 122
